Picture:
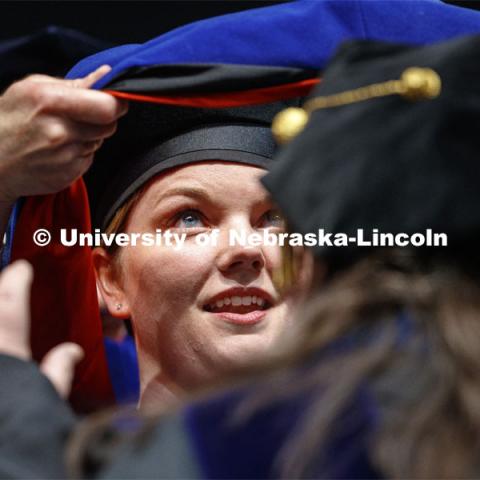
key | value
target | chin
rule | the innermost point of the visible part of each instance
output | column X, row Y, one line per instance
column 241, row 350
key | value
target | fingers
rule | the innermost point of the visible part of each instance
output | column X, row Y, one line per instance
column 67, row 98
column 48, row 124
column 58, row 366
column 93, row 77
column 112, row 110
column 84, row 132
column 15, row 283
column 56, row 131
column 67, row 163
column 89, row 148
column 58, row 168
column 65, row 156
column 90, row 106
column 85, row 82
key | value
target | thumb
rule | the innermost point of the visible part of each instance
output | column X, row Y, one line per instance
column 15, row 283
column 58, row 366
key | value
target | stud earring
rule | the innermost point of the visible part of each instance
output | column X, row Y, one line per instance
column 118, row 306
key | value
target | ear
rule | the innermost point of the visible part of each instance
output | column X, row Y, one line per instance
column 110, row 283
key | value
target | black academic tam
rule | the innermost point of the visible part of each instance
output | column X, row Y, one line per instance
column 374, row 159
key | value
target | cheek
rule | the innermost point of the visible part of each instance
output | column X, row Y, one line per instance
column 273, row 257
column 161, row 282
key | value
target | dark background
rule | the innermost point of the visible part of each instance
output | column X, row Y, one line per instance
column 116, row 21
column 475, row 4
column 121, row 21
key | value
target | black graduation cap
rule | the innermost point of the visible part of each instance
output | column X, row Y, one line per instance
column 213, row 114
column 392, row 143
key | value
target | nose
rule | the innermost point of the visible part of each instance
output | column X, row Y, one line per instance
column 242, row 263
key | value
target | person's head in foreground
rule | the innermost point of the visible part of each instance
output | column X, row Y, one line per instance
column 397, row 326
column 199, row 308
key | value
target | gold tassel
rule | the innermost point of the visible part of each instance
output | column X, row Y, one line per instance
column 415, row 84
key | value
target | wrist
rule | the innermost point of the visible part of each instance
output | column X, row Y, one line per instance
column 7, row 199
column 6, row 206
column 8, row 195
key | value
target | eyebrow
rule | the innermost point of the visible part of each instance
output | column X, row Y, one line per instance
column 197, row 193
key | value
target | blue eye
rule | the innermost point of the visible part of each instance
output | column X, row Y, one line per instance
column 272, row 218
column 189, row 219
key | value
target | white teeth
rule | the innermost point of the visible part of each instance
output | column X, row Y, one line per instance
column 246, row 300
column 236, row 301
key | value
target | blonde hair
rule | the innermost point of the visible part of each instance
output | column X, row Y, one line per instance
column 120, row 219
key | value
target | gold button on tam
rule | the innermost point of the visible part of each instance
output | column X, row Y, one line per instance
column 288, row 124
column 420, row 83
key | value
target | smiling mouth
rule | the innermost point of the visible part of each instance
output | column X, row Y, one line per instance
column 238, row 305
column 246, row 310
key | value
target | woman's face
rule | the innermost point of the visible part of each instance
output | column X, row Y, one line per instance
column 198, row 311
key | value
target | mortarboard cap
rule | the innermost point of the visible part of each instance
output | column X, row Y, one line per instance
column 155, row 137
column 380, row 153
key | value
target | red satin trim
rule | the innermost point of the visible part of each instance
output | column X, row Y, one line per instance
column 64, row 298
column 230, row 99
